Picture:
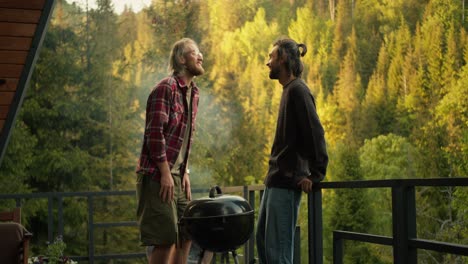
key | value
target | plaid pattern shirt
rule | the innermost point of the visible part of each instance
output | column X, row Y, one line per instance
column 166, row 121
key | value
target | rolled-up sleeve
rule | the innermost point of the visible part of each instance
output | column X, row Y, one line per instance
column 157, row 115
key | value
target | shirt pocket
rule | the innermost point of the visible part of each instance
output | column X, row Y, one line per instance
column 176, row 115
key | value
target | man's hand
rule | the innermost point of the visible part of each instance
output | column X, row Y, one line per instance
column 186, row 186
column 305, row 184
column 166, row 191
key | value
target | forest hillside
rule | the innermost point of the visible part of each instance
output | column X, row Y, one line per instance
column 390, row 78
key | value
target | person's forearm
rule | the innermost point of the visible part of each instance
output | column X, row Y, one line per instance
column 187, row 170
column 164, row 168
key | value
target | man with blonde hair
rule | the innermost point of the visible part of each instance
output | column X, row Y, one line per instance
column 163, row 182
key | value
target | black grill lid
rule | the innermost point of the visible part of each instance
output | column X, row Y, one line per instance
column 217, row 205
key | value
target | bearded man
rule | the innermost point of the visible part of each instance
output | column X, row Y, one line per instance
column 163, row 182
column 298, row 156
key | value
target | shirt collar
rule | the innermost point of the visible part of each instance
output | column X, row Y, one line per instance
column 183, row 84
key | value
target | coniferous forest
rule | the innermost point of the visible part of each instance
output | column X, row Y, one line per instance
column 390, row 78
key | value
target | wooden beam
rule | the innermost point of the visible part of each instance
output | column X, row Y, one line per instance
column 23, row 4
column 17, row 29
column 15, row 43
column 19, row 15
column 13, row 57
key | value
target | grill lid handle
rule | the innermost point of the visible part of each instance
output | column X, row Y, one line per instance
column 215, row 191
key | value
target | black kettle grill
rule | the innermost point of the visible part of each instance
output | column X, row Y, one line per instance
column 219, row 223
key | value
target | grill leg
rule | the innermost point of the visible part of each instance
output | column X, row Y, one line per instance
column 200, row 256
column 234, row 256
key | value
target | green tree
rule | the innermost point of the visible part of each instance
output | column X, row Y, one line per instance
column 79, row 115
column 252, row 107
column 18, row 157
column 378, row 115
column 387, row 157
column 384, row 73
column 348, row 92
column 317, row 34
column 350, row 208
column 366, row 24
column 453, row 116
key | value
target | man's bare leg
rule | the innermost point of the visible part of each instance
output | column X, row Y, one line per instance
column 161, row 255
column 207, row 257
column 182, row 252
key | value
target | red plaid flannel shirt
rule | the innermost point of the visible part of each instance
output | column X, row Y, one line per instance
column 166, row 122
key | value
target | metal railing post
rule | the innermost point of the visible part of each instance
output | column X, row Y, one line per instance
column 411, row 222
column 404, row 223
column 314, row 204
column 90, row 229
column 251, row 242
column 50, row 218
column 337, row 249
column 18, row 202
column 297, row 245
column 245, row 190
column 60, row 215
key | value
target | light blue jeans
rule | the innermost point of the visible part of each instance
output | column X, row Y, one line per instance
column 276, row 224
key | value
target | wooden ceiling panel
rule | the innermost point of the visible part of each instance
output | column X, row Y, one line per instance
column 23, row 4
column 6, row 98
column 19, row 15
column 10, row 70
column 15, row 43
column 4, row 111
column 13, row 57
column 17, row 29
column 8, row 84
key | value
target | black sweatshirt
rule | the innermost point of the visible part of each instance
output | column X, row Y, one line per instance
column 299, row 148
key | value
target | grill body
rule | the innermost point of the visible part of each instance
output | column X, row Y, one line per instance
column 218, row 223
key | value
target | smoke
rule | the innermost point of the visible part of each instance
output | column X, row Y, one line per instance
column 213, row 136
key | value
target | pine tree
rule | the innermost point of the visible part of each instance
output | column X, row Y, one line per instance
column 350, row 207
column 348, row 91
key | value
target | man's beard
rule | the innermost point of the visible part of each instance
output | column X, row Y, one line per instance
column 195, row 70
column 274, row 73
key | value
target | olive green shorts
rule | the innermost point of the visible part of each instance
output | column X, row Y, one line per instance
column 158, row 221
